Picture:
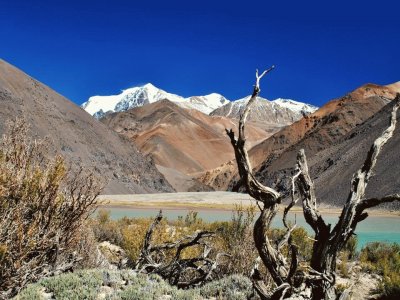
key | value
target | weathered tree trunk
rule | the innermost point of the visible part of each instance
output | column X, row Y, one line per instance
column 178, row 271
column 319, row 282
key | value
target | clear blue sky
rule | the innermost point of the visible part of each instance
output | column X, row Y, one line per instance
column 322, row 49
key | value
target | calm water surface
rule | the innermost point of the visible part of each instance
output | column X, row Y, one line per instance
column 374, row 228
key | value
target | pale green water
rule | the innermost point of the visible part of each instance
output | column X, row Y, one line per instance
column 374, row 228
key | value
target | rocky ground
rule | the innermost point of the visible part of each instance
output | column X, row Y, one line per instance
column 359, row 285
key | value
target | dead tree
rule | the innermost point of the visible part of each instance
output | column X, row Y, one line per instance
column 318, row 281
column 181, row 272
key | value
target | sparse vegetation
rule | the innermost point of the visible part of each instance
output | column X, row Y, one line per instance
column 127, row 285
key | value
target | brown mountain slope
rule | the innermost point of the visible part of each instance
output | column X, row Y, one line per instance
column 332, row 168
column 187, row 141
column 332, row 121
column 75, row 134
column 315, row 132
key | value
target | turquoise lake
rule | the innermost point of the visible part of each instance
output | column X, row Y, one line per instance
column 374, row 228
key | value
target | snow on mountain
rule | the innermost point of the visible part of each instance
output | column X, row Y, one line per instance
column 296, row 106
column 205, row 104
column 279, row 111
column 129, row 98
column 98, row 106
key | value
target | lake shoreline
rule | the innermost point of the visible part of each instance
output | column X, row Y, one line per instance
column 179, row 206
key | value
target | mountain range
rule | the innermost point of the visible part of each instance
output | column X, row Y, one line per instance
column 186, row 136
column 284, row 111
column 182, row 142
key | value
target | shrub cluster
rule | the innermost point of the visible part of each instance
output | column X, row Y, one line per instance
column 43, row 205
column 384, row 259
column 234, row 237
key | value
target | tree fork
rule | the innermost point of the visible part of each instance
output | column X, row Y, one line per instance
column 319, row 282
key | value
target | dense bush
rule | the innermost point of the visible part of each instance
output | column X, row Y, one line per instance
column 384, row 259
column 43, row 205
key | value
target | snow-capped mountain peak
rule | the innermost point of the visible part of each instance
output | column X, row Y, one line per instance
column 296, row 106
column 279, row 111
column 98, row 106
column 129, row 98
column 205, row 104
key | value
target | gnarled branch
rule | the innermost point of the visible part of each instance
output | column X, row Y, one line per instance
column 328, row 243
column 269, row 198
column 321, row 277
column 182, row 272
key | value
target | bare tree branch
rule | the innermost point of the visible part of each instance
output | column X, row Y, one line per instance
column 307, row 190
column 182, row 272
column 320, row 280
column 372, row 202
column 352, row 210
column 258, row 191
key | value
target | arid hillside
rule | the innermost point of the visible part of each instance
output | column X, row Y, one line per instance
column 182, row 142
column 76, row 135
column 332, row 168
column 275, row 157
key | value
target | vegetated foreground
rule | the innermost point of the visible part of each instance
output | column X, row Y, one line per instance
column 116, row 244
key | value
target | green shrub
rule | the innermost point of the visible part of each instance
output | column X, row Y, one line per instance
column 74, row 286
column 384, row 259
column 351, row 247
column 237, row 240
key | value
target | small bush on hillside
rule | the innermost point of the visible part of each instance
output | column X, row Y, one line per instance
column 232, row 287
column 43, row 205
